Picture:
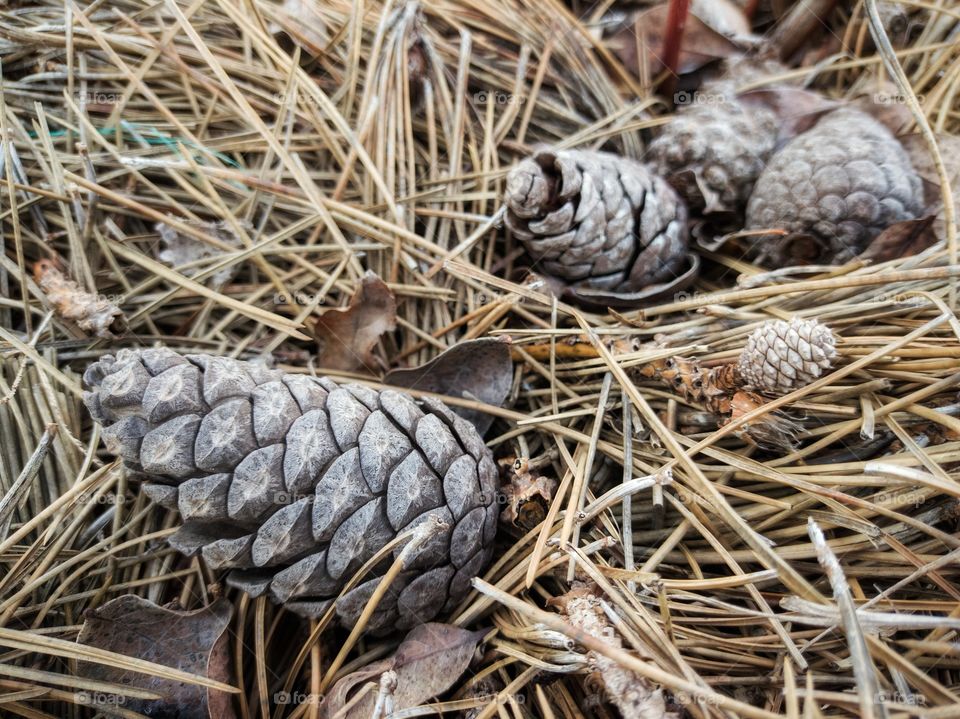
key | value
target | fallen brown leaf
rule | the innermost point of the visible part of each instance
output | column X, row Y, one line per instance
column 475, row 369
column 699, row 46
column 194, row 642
column 922, row 161
column 347, row 336
column 91, row 313
column 427, row 663
column 901, row 239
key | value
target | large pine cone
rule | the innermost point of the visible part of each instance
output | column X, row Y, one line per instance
column 597, row 220
column 714, row 148
column 294, row 482
column 833, row 189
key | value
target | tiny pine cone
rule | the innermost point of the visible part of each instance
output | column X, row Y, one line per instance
column 780, row 356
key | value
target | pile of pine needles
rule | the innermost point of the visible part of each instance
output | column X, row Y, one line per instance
column 821, row 580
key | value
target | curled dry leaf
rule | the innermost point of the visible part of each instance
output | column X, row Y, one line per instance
column 476, row 369
column 179, row 249
column 428, row 662
column 195, row 642
column 633, row 695
column 91, row 313
column 527, row 494
column 347, row 336
column 600, row 299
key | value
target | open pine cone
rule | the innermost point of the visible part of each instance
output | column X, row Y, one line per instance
column 715, row 147
column 597, row 220
column 833, row 189
column 294, row 482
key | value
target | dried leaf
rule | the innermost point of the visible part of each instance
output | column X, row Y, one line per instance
column 93, row 314
column 302, row 21
column 633, row 695
column 797, row 109
column 427, row 663
column 194, row 642
column 884, row 102
column 724, row 16
column 476, row 369
column 347, row 336
column 700, row 45
column 901, row 239
column 179, row 249
column 922, row 162
column 774, row 431
column 527, row 495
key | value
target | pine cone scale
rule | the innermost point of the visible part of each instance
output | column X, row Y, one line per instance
column 294, row 482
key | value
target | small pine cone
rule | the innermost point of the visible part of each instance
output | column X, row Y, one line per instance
column 597, row 220
column 294, row 482
column 833, row 189
column 780, row 356
column 715, row 148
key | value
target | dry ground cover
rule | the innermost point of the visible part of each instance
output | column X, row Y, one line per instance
column 213, row 177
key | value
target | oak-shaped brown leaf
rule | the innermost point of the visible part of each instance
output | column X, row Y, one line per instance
column 428, row 662
column 475, row 369
column 92, row 314
column 191, row 641
column 901, row 239
column 347, row 336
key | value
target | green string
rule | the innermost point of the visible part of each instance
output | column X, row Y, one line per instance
column 152, row 136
